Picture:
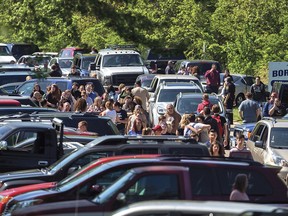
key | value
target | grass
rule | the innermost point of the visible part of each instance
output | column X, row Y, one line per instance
column 236, row 117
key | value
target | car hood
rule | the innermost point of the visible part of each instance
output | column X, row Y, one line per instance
column 108, row 71
column 247, row 126
column 21, row 174
column 27, row 188
column 281, row 152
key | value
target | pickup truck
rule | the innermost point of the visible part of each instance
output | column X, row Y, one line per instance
column 44, row 151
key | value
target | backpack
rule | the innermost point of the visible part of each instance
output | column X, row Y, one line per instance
column 219, row 124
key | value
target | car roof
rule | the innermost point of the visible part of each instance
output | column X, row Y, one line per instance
column 174, row 76
column 175, row 85
column 27, row 125
column 195, row 95
column 113, row 52
column 279, row 123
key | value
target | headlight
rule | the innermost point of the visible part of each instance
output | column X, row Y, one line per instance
column 161, row 110
column 23, row 204
column 279, row 161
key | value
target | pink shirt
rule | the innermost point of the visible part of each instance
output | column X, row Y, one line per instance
column 238, row 196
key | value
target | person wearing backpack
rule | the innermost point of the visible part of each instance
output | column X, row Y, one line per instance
column 222, row 126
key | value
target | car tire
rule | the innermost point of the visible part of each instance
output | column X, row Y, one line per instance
column 239, row 99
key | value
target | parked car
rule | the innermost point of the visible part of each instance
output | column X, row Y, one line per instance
column 242, row 84
column 54, row 177
column 14, row 73
column 5, row 55
column 145, row 80
column 168, row 178
column 114, row 67
column 24, row 100
column 188, row 103
column 71, row 51
column 63, row 83
column 98, row 148
column 9, row 88
column 244, row 129
column 33, row 61
column 158, row 79
column 22, row 110
column 100, row 125
column 65, row 64
column 268, row 144
column 82, row 62
column 204, row 65
column 161, row 56
column 20, row 49
column 165, row 94
column 181, row 207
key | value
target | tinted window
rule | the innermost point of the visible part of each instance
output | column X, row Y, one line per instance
column 249, row 81
column 122, row 60
column 169, row 95
column 87, row 61
column 188, row 105
column 24, row 49
column 4, row 51
column 64, row 63
column 258, row 184
column 202, row 181
column 154, row 187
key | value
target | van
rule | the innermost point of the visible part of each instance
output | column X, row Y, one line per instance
column 20, row 49
column 62, row 82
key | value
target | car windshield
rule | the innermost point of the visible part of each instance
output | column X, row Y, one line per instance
column 87, row 61
column 4, row 130
column 279, row 138
column 65, row 63
column 169, row 95
column 4, row 51
column 188, row 105
column 115, row 187
column 122, row 60
column 38, row 60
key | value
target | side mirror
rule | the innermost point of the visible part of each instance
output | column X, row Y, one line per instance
column 92, row 66
column 259, row 144
column 151, row 100
column 97, row 67
column 97, row 188
column 3, row 145
column 121, row 197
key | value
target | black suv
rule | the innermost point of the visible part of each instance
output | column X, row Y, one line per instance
column 161, row 56
column 20, row 49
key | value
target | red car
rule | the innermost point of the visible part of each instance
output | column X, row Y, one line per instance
column 8, row 194
column 71, row 51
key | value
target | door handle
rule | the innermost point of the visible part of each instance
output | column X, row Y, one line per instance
column 43, row 163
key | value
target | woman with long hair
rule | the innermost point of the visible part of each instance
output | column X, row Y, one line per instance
column 53, row 97
column 96, row 106
column 80, row 105
column 239, row 188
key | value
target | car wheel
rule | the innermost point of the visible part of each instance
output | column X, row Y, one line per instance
column 239, row 99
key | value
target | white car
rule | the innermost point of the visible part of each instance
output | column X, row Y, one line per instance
column 5, row 56
column 242, row 84
column 165, row 94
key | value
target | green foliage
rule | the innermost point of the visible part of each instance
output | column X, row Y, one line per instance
column 243, row 35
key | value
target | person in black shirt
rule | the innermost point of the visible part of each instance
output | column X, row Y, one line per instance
column 258, row 90
column 122, row 119
column 55, row 72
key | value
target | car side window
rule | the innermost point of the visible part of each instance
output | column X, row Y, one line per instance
column 264, row 136
column 154, row 187
column 257, row 133
column 258, row 184
column 203, row 182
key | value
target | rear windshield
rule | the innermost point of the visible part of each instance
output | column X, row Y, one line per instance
column 169, row 95
column 4, row 51
column 19, row 50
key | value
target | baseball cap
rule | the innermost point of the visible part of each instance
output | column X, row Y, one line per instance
column 157, row 128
